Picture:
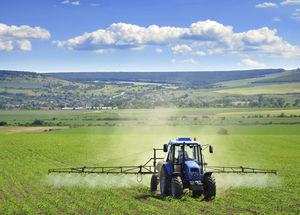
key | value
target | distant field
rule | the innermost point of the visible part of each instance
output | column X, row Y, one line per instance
column 154, row 117
column 265, row 89
column 25, row 187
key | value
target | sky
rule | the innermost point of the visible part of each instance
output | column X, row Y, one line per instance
column 148, row 35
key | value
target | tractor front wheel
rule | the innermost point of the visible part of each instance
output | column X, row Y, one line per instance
column 209, row 187
column 176, row 187
column 154, row 183
column 165, row 182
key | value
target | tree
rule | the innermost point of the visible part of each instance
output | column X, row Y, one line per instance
column 280, row 102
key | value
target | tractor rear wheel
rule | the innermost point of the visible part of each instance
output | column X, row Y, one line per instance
column 165, row 182
column 209, row 187
column 176, row 187
column 154, row 183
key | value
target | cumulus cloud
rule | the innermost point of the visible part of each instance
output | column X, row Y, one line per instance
column 18, row 37
column 266, row 4
column 173, row 60
column 252, row 63
column 200, row 53
column 276, row 19
column 181, row 49
column 75, row 3
column 124, row 36
column 158, row 50
column 190, row 60
column 213, row 36
column 290, row 2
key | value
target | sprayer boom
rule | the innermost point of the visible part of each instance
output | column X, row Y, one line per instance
column 147, row 168
column 240, row 169
column 106, row 170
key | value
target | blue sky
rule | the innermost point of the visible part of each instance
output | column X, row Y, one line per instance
column 148, row 35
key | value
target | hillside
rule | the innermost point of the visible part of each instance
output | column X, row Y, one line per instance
column 29, row 90
column 194, row 80
column 292, row 76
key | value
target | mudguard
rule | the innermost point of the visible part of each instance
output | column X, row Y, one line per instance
column 207, row 174
column 168, row 168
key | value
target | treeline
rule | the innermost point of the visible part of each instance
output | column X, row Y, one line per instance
column 186, row 79
column 8, row 74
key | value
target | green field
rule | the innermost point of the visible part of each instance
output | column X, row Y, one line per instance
column 26, row 153
column 265, row 89
column 154, row 117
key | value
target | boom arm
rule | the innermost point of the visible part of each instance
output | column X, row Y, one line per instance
column 240, row 169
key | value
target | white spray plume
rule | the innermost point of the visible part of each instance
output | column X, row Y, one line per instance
column 91, row 181
column 226, row 181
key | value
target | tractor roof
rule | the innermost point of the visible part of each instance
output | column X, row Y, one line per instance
column 183, row 140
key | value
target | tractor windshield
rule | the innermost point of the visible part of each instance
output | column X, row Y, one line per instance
column 191, row 152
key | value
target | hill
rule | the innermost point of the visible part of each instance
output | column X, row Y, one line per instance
column 29, row 90
column 193, row 80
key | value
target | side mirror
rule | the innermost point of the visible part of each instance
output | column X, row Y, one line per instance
column 211, row 150
column 165, row 147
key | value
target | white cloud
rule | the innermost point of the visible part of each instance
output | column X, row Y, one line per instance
column 290, row 2
column 99, row 51
column 75, row 3
column 158, row 50
column 181, row 49
column 18, row 37
column 210, row 35
column 296, row 15
column 276, row 19
column 200, row 53
column 124, row 36
column 173, row 60
column 94, row 4
column 252, row 63
column 69, row 2
column 266, row 4
column 190, row 60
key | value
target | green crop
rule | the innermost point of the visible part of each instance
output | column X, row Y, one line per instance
column 25, row 187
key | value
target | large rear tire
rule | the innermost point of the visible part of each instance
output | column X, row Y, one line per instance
column 154, row 183
column 165, row 182
column 209, row 184
column 176, row 187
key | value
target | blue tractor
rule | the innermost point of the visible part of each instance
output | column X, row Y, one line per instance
column 183, row 167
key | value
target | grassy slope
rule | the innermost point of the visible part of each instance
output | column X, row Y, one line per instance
column 265, row 89
column 249, row 82
column 25, row 159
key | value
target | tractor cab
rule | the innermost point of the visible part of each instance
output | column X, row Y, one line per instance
column 184, row 156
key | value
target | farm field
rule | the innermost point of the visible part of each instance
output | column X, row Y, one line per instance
column 26, row 155
column 138, row 117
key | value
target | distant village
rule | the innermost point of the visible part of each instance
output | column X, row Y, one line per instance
column 79, row 108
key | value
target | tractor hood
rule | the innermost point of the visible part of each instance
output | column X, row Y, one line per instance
column 191, row 164
column 192, row 170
